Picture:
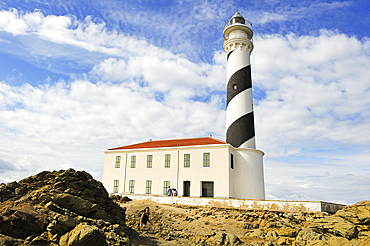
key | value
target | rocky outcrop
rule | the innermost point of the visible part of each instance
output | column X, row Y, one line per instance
column 350, row 226
column 68, row 207
column 64, row 207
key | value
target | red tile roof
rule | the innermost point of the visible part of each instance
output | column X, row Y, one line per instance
column 172, row 143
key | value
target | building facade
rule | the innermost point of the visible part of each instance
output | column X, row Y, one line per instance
column 196, row 167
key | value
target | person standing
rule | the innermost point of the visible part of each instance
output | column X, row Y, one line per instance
column 169, row 191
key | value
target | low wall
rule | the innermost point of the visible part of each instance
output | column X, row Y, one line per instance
column 274, row 205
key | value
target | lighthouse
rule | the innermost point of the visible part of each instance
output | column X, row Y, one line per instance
column 248, row 168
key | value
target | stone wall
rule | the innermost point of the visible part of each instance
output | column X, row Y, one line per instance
column 273, row 205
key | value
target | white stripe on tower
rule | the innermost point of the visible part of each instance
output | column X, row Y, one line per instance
column 239, row 112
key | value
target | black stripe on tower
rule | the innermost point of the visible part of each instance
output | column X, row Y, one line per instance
column 240, row 130
column 238, row 82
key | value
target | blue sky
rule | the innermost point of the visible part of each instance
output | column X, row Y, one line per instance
column 79, row 77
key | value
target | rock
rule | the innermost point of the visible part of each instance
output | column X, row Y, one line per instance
column 221, row 238
column 20, row 220
column 232, row 239
column 115, row 239
column 287, row 232
column 316, row 243
column 9, row 241
column 75, row 204
column 364, row 242
column 256, row 233
column 84, row 234
column 338, row 241
column 125, row 199
column 250, row 226
column 335, row 226
column 276, row 224
column 54, row 207
column 283, row 241
column 271, row 236
column 308, row 235
column 258, row 243
column 358, row 213
column 61, row 224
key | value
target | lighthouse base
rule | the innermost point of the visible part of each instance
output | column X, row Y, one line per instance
column 247, row 176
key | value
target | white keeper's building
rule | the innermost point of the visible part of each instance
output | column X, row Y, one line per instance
column 201, row 167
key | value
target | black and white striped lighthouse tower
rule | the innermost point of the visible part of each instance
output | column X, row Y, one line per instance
column 247, row 162
column 239, row 113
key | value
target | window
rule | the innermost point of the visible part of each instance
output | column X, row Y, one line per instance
column 186, row 160
column 118, row 161
column 148, row 187
column 115, row 186
column 133, row 161
column 206, row 159
column 149, row 161
column 232, row 161
column 131, row 186
column 235, row 87
column 165, row 187
column 167, row 160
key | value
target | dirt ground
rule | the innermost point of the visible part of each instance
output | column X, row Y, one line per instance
column 181, row 224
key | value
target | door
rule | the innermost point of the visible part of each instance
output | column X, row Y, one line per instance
column 207, row 189
column 186, row 188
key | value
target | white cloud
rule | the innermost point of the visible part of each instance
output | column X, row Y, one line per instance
column 287, row 12
column 317, row 89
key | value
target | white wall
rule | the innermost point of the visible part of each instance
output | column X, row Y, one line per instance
column 248, row 174
column 245, row 181
column 218, row 172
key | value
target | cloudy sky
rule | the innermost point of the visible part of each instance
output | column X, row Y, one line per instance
column 79, row 77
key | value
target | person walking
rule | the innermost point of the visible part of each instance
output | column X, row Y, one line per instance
column 144, row 219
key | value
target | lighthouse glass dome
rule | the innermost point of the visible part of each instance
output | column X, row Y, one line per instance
column 237, row 18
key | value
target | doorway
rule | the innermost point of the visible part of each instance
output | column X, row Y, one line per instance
column 186, row 188
column 207, row 189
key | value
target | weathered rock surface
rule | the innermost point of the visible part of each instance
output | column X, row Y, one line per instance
column 222, row 238
column 20, row 220
column 64, row 207
column 83, row 234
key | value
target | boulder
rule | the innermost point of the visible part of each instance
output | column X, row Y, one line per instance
column 76, row 204
column 20, row 220
column 232, row 239
column 308, row 235
column 84, row 234
column 272, row 236
column 61, row 224
column 287, row 232
column 335, row 226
